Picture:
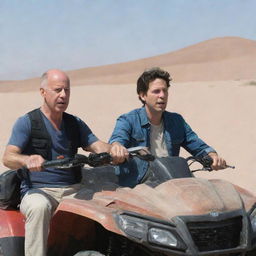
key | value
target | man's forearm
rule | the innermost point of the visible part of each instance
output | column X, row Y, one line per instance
column 14, row 160
column 98, row 147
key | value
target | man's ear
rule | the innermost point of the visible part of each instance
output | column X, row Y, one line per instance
column 142, row 96
column 42, row 92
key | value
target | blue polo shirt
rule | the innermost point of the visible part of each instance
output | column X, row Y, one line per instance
column 50, row 177
column 133, row 129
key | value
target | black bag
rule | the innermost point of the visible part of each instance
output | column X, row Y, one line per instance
column 9, row 190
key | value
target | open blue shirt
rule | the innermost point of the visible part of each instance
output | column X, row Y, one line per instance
column 50, row 177
column 133, row 129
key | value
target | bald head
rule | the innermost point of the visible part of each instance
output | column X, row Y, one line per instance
column 51, row 75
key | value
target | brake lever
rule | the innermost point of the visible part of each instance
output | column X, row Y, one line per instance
column 202, row 169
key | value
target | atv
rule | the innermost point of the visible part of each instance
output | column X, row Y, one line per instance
column 171, row 213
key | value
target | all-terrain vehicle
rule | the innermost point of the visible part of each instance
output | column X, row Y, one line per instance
column 172, row 213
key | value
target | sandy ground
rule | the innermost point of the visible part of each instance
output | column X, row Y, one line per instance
column 222, row 113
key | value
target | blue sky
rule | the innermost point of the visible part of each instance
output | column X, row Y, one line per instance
column 69, row 34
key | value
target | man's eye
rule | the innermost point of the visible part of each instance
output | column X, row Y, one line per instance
column 159, row 91
column 59, row 90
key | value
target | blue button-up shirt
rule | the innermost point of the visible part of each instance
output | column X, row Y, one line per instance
column 133, row 129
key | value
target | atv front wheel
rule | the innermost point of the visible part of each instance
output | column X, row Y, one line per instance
column 88, row 253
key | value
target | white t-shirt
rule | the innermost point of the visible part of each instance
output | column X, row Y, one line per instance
column 157, row 143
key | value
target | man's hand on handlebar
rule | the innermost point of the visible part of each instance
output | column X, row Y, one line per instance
column 218, row 162
column 34, row 163
column 119, row 153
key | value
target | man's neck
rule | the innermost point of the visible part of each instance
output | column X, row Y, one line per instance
column 155, row 118
column 53, row 117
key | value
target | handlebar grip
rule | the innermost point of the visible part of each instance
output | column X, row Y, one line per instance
column 54, row 163
column 95, row 160
column 207, row 162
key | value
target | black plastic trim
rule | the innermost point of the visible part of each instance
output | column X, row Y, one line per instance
column 12, row 246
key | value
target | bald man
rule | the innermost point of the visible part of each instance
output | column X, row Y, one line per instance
column 44, row 134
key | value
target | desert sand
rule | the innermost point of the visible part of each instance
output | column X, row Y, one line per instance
column 215, row 99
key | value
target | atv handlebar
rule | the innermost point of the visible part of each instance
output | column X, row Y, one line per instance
column 96, row 160
column 206, row 161
column 104, row 158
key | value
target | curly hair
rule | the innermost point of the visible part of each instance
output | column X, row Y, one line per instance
column 150, row 75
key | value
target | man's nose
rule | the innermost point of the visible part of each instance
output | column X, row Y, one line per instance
column 63, row 93
column 161, row 94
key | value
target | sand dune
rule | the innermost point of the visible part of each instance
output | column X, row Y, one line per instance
column 227, row 58
column 188, row 64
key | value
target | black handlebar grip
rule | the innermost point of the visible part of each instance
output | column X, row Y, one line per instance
column 207, row 162
column 54, row 163
column 95, row 160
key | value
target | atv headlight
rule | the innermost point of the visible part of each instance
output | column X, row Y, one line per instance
column 162, row 237
column 132, row 226
column 155, row 233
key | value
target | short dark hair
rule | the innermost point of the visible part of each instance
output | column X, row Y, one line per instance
column 150, row 75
